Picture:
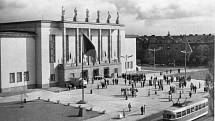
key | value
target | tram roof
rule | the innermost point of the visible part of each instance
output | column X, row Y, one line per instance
column 187, row 104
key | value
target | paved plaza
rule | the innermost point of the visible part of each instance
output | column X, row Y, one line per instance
column 113, row 102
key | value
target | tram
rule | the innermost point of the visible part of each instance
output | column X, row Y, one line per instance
column 187, row 111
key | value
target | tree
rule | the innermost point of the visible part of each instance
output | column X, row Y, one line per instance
column 210, row 84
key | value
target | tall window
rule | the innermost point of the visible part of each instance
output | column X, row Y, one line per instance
column 131, row 64
column 19, row 76
column 52, row 76
column 12, row 77
column 26, row 76
column 52, row 49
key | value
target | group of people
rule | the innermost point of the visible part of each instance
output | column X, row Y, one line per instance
column 129, row 91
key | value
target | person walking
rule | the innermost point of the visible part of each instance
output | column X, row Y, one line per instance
column 190, row 94
column 129, row 107
column 141, row 109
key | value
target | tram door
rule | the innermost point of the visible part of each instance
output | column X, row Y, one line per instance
column 106, row 72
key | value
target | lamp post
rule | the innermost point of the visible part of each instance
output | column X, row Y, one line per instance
column 154, row 50
column 126, row 58
column 187, row 50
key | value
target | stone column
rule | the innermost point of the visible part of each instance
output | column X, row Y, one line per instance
column 77, row 46
column 63, row 44
column 99, row 45
column 89, row 58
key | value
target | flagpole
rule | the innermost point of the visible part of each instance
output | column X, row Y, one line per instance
column 82, row 72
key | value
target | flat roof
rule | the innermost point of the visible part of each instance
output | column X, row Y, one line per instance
column 54, row 21
column 14, row 33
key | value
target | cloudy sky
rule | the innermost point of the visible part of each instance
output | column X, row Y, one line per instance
column 142, row 17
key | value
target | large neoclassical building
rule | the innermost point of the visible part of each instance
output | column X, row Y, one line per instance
column 44, row 53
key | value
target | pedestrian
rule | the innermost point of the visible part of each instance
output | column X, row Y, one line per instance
column 199, row 85
column 190, row 94
column 141, row 109
column 180, row 94
column 129, row 107
column 123, row 113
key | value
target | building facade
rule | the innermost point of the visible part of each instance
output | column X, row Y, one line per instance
column 46, row 53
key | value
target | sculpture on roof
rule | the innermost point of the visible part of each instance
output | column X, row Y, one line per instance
column 87, row 16
column 75, row 15
column 63, row 14
column 98, row 16
column 109, row 17
column 117, row 19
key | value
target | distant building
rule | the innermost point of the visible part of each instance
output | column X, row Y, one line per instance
column 128, row 58
column 171, row 47
column 46, row 53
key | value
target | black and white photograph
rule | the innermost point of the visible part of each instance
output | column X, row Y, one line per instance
column 107, row 60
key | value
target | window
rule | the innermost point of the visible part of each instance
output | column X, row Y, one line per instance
column 26, row 76
column 115, row 70
column 183, row 113
column 131, row 64
column 206, row 104
column 52, row 77
column 19, row 76
column 192, row 109
column 188, row 111
column 12, row 77
column 72, row 74
column 200, row 107
column 126, row 65
column 203, row 105
column 178, row 114
column 52, row 49
column 196, row 108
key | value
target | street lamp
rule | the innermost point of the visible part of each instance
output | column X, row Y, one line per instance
column 154, row 50
column 126, row 58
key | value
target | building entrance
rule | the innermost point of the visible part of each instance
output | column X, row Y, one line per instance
column 95, row 72
column 85, row 74
column 106, row 72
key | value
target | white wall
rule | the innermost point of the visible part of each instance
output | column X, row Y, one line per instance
column 128, row 47
column 17, row 55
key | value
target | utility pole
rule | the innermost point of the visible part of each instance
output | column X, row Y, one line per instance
column 154, row 50
column 187, row 50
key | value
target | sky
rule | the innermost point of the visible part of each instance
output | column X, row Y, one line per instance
column 140, row 17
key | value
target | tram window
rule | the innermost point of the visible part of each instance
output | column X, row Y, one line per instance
column 196, row 108
column 188, row 111
column 178, row 114
column 200, row 106
column 183, row 113
column 203, row 105
column 192, row 109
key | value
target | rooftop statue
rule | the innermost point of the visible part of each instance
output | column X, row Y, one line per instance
column 109, row 17
column 98, row 16
column 87, row 16
column 117, row 19
column 75, row 15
